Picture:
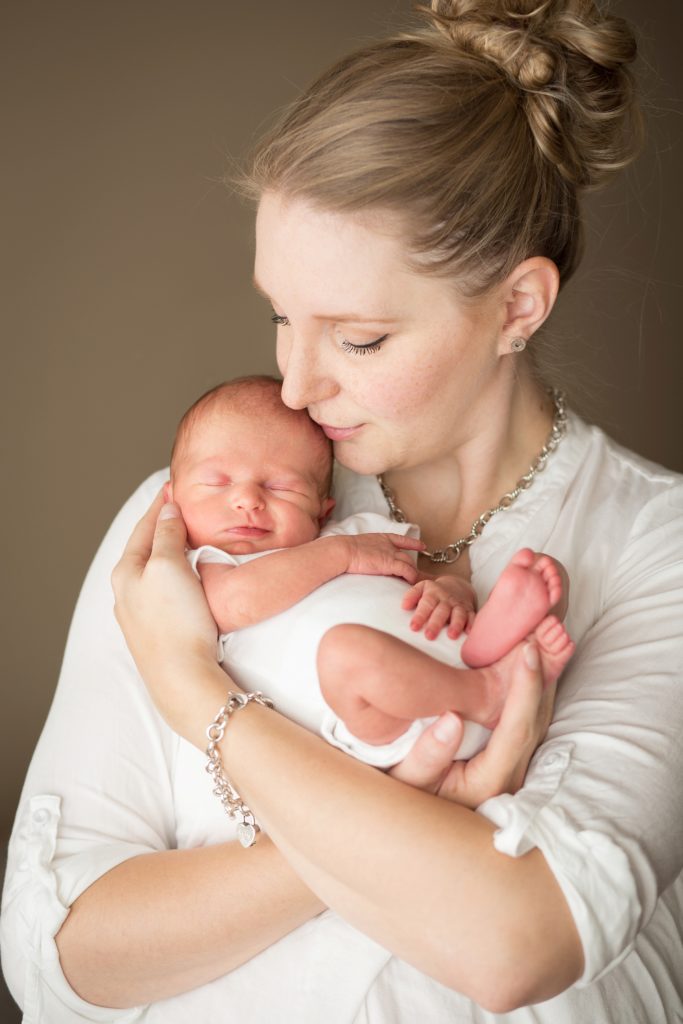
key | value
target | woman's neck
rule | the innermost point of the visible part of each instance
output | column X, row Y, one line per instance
column 506, row 431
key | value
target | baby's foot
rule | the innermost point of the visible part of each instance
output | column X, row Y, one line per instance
column 555, row 648
column 529, row 587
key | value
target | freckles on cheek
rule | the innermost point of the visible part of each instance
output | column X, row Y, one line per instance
column 387, row 399
column 409, row 393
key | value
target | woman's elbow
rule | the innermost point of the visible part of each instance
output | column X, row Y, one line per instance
column 505, row 994
column 512, row 970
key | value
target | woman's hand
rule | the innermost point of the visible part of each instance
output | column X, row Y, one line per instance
column 162, row 611
column 501, row 766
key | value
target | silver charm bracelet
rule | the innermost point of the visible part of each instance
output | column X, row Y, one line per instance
column 233, row 805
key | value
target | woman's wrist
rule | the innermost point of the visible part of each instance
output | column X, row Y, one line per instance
column 188, row 696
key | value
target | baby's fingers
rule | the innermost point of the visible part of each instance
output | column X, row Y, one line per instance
column 459, row 618
column 437, row 620
column 425, row 607
column 412, row 597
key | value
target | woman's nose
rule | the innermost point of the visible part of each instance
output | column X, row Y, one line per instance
column 304, row 382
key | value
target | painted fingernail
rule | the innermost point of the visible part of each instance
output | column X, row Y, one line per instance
column 446, row 728
column 169, row 511
column 531, row 657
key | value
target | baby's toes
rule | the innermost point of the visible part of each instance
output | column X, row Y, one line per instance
column 547, row 570
column 549, row 630
column 524, row 557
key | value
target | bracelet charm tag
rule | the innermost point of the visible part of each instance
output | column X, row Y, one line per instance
column 246, row 833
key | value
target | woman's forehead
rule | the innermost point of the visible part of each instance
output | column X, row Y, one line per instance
column 355, row 265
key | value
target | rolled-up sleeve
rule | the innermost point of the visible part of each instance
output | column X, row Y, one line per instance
column 34, row 910
column 97, row 793
column 602, row 798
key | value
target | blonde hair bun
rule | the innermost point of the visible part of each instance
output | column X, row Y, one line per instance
column 571, row 66
column 481, row 129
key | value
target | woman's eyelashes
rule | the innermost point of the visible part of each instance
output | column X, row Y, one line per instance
column 364, row 350
column 368, row 348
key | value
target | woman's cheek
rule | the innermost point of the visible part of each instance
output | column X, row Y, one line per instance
column 391, row 399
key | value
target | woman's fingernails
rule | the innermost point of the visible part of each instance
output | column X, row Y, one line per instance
column 169, row 511
column 446, row 728
column 532, row 657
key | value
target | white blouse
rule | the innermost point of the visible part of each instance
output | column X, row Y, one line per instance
column 603, row 798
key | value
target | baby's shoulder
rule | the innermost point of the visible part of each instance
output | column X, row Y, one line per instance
column 367, row 522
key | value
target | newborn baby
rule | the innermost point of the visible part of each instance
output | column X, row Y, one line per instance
column 315, row 613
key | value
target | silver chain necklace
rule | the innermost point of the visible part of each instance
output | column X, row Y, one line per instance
column 452, row 552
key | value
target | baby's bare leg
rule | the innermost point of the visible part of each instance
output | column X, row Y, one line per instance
column 377, row 684
column 531, row 587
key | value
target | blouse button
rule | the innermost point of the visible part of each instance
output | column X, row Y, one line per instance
column 41, row 817
column 550, row 760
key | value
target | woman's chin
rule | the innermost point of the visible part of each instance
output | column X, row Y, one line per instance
column 359, row 459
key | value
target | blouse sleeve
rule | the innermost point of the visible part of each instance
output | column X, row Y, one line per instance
column 602, row 798
column 98, row 791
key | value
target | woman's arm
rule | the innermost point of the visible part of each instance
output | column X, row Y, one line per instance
column 163, row 923
column 418, row 874
column 472, row 906
column 95, row 831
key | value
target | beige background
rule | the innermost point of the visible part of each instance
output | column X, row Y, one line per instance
column 126, row 280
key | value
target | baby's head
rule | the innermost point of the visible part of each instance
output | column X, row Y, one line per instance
column 248, row 473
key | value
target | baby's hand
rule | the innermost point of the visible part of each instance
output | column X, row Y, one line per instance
column 446, row 599
column 382, row 554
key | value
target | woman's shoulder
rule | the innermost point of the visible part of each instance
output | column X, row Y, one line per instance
column 623, row 461
column 143, row 496
column 623, row 483
column 131, row 511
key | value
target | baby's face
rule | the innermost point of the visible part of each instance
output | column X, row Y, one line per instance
column 245, row 484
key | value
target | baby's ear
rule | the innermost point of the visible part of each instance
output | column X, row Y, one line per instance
column 327, row 506
column 168, row 491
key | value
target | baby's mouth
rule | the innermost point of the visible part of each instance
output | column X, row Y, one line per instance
column 247, row 531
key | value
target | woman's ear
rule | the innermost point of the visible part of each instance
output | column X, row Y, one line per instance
column 529, row 294
column 168, row 491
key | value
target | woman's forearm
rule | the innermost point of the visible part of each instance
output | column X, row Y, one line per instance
column 415, row 872
column 163, row 923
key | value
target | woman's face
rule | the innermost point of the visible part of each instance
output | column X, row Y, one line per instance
column 390, row 361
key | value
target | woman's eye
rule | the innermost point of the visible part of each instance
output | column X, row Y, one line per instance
column 364, row 350
column 281, row 321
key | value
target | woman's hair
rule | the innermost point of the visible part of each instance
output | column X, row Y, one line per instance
column 481, row 130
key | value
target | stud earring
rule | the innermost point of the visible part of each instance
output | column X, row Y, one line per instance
column 518, row 344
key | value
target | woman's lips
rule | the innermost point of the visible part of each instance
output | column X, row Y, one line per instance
column 339, row 433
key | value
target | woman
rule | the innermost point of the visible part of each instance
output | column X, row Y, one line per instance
column 418, row 211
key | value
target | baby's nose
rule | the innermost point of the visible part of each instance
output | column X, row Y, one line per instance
column 247, row 496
